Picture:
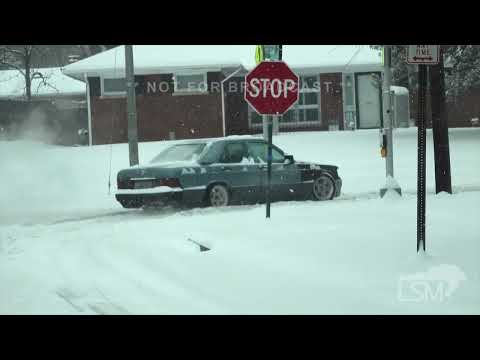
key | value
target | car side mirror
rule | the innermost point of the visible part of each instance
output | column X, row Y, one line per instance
column 289, row 159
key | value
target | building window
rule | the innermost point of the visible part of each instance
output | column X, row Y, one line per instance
column 255, row 118
column 114, row 87
column 349, row 90
column 309, row 84
column 305, row 112
column 190, row 83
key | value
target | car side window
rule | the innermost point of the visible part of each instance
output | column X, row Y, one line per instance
column 259, row 151
column 234, row 153
column 213, row 153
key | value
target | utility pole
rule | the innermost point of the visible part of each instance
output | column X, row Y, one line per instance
column 443, row 181
column 388, row 123
column 131, row 107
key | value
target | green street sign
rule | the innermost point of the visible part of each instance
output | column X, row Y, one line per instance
column 267, row 52
column 271, row 52
column 259, row 54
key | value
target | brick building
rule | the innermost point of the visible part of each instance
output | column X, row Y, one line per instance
column 196, row 91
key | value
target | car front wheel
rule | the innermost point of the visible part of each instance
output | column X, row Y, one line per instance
column 324, row 188
column 218, row 196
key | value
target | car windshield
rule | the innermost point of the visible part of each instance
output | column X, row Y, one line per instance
column 183, row 152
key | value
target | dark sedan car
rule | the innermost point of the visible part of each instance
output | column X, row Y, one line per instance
column 224, row 171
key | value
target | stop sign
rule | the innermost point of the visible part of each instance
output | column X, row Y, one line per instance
column 271, row 88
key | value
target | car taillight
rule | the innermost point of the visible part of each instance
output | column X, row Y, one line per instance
column 170, row 182
column 124, row 184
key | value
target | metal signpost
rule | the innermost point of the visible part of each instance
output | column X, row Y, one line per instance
column 421, row 170
column 388, row 111
column 423, row 55
column 271, row 89
column 387, row 133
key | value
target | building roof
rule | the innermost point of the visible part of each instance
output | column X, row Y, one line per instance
column 12, row 84
column 155, row 59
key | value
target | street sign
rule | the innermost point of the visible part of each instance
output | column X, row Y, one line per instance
column 423, row 54
column 259, row 54
column 271, row 52
column 268, row 52
column 271, row 88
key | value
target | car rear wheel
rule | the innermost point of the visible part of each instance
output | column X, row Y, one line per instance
column 218, row 196
column 324, row 188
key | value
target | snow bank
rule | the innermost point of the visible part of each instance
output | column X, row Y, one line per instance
column 83, row 254
column 340, row 257
column 399, row 90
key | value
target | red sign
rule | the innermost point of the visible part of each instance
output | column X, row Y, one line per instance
column 271, row 88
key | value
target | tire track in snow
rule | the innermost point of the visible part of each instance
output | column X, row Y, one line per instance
column 9, row 246
column 153, row 278
column 129, row 214
column 81, row 303
column 166, row 212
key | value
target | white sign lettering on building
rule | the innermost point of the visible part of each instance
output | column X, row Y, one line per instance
column 151, row 87
column 327, row 86
column 154, row 87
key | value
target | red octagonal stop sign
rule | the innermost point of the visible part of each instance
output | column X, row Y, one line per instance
column 271, row 88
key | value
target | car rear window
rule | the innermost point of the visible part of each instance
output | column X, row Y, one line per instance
column 181, row 152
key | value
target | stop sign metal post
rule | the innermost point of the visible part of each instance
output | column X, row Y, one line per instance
column 271, row 88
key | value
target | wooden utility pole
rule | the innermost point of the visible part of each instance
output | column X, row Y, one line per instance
column 131, row 107
column 443, row 181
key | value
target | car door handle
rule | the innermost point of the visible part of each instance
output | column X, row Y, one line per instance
column 226, row 168
column 263, row 167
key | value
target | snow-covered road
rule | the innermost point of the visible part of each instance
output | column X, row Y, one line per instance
column 66, row 247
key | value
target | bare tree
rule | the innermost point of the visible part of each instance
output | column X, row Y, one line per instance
column 89, row 50
column 86, row 50
column 20, row 58
column 24, row 58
